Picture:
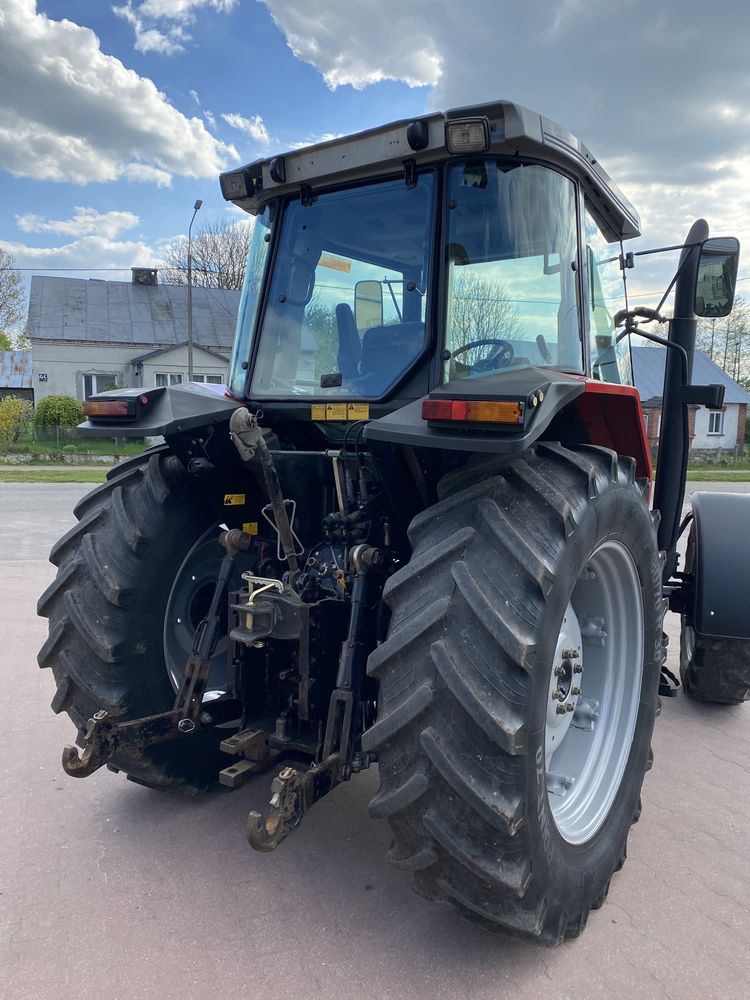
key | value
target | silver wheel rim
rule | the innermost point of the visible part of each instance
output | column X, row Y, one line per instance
column 594, row 693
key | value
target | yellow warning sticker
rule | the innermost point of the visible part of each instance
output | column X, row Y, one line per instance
column 234, row 499
column 340, row 411
column 358, row 411
column 250, row 527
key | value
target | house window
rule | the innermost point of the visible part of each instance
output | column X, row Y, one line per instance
column 97, row 383
column 716, row 422
column 645, row 422
column 215, row 379
column 168, row 378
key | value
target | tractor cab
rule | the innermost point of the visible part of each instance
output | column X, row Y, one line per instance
column 389, row 263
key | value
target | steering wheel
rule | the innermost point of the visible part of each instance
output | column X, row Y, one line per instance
column 500, row 358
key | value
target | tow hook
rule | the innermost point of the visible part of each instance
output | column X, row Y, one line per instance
column 293, row 793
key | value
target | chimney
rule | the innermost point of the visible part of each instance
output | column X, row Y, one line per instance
column 144, row 275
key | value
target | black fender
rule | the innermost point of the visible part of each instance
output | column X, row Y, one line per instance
column 721, row 535
column 165, row 410
column 543, row 394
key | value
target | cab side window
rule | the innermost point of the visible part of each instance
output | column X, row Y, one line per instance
column 605, row 295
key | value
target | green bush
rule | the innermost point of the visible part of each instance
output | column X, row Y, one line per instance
column 57, row 412
column 11, row 421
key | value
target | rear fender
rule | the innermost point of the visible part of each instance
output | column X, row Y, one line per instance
column 721, row 533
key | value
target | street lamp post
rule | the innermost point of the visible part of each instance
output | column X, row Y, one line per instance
column 196, row 206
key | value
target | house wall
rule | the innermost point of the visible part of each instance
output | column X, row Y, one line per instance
column 176, row 361
column 65, row 364
column 726, row 441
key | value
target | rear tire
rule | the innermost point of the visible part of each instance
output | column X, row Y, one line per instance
column 106, row 610
column 462, row 729
column 712, row 670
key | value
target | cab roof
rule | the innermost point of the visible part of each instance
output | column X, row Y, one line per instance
column 509, row 128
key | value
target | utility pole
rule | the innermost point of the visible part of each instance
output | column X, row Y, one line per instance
column 196, row 206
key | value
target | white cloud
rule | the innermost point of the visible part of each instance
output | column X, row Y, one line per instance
column 94, row 252
column 83, row 222
column 159, row 25
column 150, row 39
column 313, row 140
column 674, row 132
column 362, row 45
column 182, row 10
column 208, row 115
column 73, row 113
column 254, row 127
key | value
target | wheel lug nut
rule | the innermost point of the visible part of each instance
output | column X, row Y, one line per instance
column 577, row 668
column 560, row 710
column 575, row 690
column 569, row 707
column 560, row 671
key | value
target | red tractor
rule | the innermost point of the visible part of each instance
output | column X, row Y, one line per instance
column 418, row 527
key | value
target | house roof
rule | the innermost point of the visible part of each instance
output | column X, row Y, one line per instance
column 648, row 374
column 121, row 312
column 15, row 370
column 173, row 347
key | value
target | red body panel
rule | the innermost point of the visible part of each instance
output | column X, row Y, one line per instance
column 613, row 418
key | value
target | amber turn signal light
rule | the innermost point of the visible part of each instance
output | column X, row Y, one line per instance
column 480, row 411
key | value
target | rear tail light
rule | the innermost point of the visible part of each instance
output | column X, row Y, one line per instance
column 480, row 411
column 106, row 408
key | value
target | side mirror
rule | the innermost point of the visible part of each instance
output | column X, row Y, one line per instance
column 368, row 305
column 717, row 276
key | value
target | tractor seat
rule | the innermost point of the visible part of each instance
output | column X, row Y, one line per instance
column 387, row 351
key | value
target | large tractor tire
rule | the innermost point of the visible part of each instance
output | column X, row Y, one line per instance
column 134, row 578
column 711, row 669
column 518, row 689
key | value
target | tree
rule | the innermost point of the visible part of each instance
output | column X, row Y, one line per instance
column 480, row 310
column 6, row 344
column 219, row 255
column 726, row 341
column 12, row 297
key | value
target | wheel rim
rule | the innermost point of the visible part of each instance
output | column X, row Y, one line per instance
column 594, row 693
column 189, row 601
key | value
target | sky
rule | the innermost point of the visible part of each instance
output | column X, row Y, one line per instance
column 116, row 117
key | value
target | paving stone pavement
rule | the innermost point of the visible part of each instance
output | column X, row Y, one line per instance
column 109, row 889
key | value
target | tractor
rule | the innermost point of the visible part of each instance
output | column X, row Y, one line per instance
column 418, row 528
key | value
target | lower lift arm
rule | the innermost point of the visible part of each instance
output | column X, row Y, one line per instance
column 105, row 737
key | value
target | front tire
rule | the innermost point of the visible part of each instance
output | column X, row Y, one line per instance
column 106, row 609
column 501, row 572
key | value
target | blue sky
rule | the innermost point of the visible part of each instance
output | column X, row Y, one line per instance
column 115, row 117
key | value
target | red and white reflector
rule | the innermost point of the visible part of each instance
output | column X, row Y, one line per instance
column 479, row 411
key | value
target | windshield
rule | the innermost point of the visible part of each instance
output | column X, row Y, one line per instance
column 511, row 263
column 347, row 299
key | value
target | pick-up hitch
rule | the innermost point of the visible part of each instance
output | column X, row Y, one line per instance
column 104, row 737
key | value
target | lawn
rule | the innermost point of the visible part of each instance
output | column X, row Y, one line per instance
column 30, row 443
column 72, row 475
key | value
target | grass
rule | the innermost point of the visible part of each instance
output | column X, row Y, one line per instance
column 33, row 443
column 72, row 475
column 708, row 476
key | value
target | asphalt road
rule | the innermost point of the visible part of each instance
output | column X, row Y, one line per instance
column 109, row 889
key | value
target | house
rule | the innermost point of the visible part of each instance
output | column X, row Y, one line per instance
column 88, row 335
column 15, row 374
column 712, row 432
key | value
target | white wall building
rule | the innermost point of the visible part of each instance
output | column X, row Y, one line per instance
column 88, row 335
